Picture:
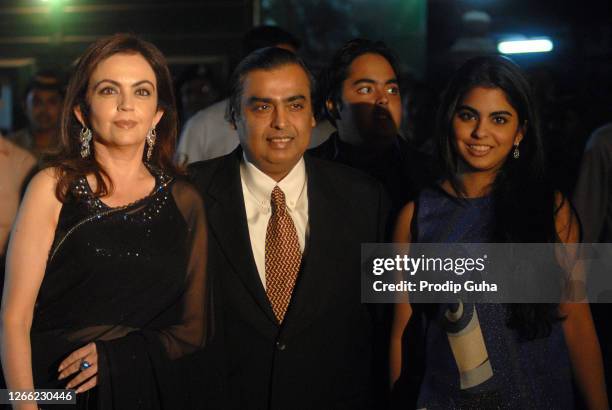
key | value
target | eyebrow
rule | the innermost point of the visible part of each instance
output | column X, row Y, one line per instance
column 501, row 113
column 136, row 84
column 293, row 98
column 475, row 111
column 370, row 81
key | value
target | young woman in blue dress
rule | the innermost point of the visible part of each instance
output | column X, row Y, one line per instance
column 494, row 189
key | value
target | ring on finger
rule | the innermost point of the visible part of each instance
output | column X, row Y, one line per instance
column 84, row 365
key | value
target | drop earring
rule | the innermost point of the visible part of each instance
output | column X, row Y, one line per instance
column 516, row 154
column 151, row 137
column 85, row 138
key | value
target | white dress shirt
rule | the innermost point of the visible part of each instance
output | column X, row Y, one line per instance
column 257, row 189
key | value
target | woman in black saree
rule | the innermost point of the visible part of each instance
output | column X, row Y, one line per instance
column 106, row 283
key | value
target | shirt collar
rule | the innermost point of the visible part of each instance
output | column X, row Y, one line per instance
column 261, row 185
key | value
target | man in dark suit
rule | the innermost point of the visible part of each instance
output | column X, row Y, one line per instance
column 284, row 242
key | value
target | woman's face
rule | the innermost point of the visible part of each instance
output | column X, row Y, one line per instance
column 122, row 97
column 486, row 128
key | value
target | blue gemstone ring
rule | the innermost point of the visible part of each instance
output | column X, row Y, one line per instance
column 85, row 365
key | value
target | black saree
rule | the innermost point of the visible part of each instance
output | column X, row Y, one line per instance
column 133, row 280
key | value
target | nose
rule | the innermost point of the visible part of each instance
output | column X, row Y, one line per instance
column 125, row 102
column 381, row 97
column 279, row 119
column 480, row 130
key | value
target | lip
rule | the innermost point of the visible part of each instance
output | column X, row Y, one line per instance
column 479, row 150
column 125, row 124
column 280, row 142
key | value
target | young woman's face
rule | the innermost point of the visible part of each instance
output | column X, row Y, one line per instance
column 122, row 96
column 486, row 128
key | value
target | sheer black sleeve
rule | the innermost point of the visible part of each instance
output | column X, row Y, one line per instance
column 139, row 369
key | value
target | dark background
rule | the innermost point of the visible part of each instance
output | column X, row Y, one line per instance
column 573, row 82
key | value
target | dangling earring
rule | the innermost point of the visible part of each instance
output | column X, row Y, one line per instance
column 151, row 136
column 85, row 138
column 516, row 154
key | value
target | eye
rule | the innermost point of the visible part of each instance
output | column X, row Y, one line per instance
column 364, row 90
column 296, row 106
column 143, row 92
column 262, row 107
column 108, row 91
column 500, row 120
column 393, row 90
column 466, row 116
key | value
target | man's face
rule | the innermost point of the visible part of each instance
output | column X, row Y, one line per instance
column 43, row 108
column 371, row 105
column 276, row 118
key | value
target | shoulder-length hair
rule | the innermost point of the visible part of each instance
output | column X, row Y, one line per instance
column 524, row 199
column 68, row 161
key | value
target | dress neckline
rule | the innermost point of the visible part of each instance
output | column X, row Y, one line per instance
column 478, row 199
column 161, row 180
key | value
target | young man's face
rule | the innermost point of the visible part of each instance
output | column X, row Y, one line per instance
column 371, row 104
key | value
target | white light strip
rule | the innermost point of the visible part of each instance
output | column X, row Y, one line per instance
column 525, row 46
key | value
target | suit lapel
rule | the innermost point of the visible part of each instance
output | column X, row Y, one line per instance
column 227, row 219
column 324, row 218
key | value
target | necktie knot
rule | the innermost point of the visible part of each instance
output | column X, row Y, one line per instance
column 278, row 201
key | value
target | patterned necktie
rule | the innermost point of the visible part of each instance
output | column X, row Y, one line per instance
column 283, row 255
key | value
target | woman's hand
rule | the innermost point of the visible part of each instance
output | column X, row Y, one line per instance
column 84, row 361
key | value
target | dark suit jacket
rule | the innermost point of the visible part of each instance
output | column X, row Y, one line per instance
column 321, row 356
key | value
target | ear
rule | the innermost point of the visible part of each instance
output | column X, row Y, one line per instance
column 313, row 122
column 332, row 109
column 79, row 114
column 157, row 118
column 231, row 117
column 233, row 122
column 520, row 134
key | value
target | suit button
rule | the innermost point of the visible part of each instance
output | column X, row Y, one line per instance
column 281, row 346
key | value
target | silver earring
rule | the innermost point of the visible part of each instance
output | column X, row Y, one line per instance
column 151, row 136
column 516, row 154
column 85, row 138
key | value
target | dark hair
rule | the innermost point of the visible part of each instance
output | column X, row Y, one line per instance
column 330, row 82
column 69, row 162
column 266, row 59
column 267, row 36
column 524, row 200
column 48, row 80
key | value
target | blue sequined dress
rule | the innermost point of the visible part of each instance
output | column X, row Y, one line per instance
column 505, row 371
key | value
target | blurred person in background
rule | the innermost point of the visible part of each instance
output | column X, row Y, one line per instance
column 15, row 165
column 197, row 91
column 593, row 200
column 475, row 39
column 42, row 106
